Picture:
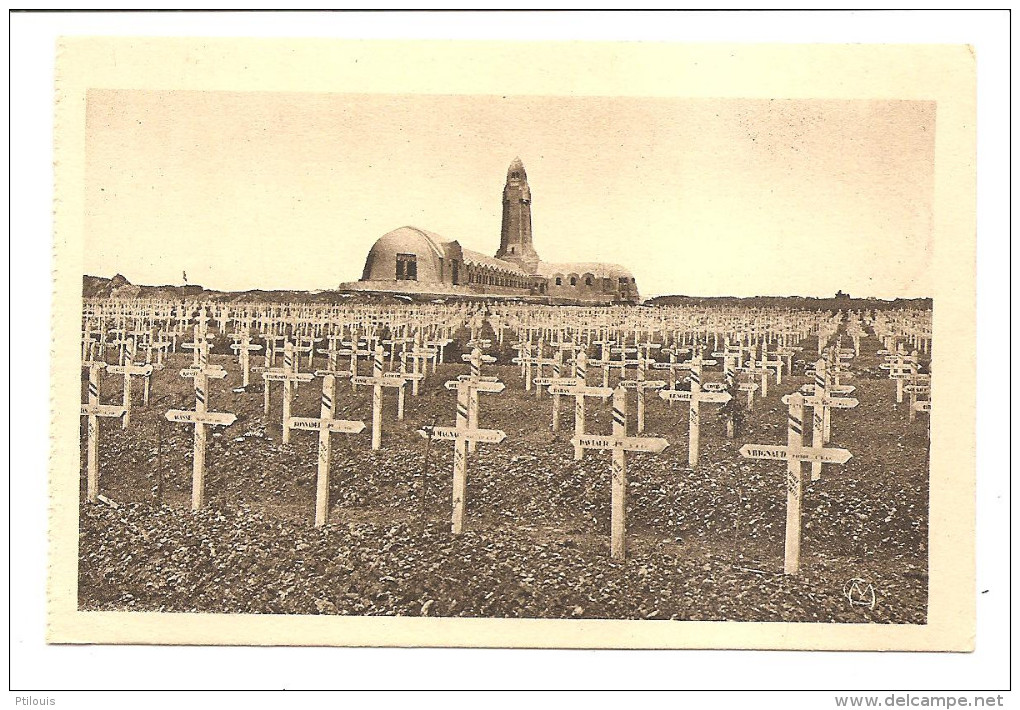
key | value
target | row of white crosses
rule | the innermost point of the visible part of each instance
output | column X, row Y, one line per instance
column 577, row 387
column 713, row 393
column 466, row 432
column 581, row 441
column 673, row 352
column 911, row 325
column 313, row 320
column 688, row 326
column 129, row 369
column 903, row 369
column 201, row 417
column 129, row 343
column 688, row 323
column 290, row 376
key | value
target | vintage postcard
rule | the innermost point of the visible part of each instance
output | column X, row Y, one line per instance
column 494, row 344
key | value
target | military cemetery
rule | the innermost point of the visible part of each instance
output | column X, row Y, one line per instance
column 748, row 486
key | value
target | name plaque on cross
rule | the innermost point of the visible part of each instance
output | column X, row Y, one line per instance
column 619, row 444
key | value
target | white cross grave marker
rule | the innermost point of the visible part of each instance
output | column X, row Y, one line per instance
column 641, row 385
column 245, row 348
column 325, row 425
column 201, row 417
column 695, row 396
column 128, row 370
column 821, row 403
column 578, row 389
column 289, row 376
column 794, row 453
column 378, row 380
column 461, row 435
column 94, row 410
column 619, row 443
column 476, row 359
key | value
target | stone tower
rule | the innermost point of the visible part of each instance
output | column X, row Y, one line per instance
column 515, row 237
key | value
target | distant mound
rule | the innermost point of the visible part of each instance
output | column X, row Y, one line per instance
column 842, row 303
column 120, row 287
column 99, row 287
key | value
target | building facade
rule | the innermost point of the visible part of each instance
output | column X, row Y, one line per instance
column 410, row 260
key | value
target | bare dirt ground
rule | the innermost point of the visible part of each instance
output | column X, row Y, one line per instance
column 704, row 544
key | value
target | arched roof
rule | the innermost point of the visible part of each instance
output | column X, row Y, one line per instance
column 411, row 239
column 599, row 270
column 430, row 248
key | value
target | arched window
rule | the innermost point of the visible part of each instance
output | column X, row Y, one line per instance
column 559, row 280
column 573, row 281
column 588, row 280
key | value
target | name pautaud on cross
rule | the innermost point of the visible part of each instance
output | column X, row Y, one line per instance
column 619, row 444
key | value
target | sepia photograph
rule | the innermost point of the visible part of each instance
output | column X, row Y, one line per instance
column 357, row 360
column 591, row 358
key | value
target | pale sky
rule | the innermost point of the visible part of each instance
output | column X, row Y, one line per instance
column 696, row 196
